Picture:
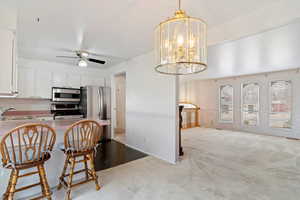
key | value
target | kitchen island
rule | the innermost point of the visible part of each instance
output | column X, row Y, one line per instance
column 53, row 166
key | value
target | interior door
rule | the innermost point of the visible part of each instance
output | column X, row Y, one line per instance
column 120, row 103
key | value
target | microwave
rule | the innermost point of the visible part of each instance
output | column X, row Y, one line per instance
column 65, row 94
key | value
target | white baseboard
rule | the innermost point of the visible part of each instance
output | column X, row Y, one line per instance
column 150, row 154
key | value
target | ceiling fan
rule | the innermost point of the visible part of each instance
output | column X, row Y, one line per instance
column 83, row 58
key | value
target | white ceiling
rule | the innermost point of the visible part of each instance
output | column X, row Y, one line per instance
column 117, row 29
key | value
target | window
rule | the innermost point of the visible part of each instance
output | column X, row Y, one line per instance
column 250, row 104
column 280, row 104
column 226, row 103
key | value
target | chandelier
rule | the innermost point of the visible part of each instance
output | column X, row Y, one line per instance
column 180, row 45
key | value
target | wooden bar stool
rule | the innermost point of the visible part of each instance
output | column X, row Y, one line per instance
column 80, row 142
column 26, row 147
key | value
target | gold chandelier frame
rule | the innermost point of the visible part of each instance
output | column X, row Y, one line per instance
column 180, row 15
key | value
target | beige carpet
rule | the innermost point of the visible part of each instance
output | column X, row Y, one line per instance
column 217, row 165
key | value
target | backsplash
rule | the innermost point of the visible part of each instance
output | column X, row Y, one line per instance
column 25, row 104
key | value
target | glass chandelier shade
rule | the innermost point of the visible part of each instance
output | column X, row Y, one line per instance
column 181, row 45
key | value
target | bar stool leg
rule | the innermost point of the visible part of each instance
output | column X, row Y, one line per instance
column 68, row 196
column 41, row 181
column 61, row 178
column 86, row 167
column 46, row 190
column 95, row 177
column 13, row 183
column 5, row 195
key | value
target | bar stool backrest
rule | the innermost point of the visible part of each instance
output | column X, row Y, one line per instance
column 27, row 144
column 82, row 136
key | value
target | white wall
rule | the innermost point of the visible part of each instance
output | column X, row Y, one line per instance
column 269, row 51
column 151, row 115
column 275, row 14
column 205, row 93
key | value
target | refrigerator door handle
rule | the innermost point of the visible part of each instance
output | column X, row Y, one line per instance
column 100, row 102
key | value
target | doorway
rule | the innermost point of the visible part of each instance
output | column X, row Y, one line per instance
column 120, row 108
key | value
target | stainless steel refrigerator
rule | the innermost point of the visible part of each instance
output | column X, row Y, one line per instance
column 96, row 104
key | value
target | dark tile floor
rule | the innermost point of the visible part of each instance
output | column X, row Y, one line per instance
column 112, row 153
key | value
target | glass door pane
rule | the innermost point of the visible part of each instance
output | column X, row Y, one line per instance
column 250, row 104
column 280, row 104
column 226, row 103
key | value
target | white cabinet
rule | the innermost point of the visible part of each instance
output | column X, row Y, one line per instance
column 34, row 83
column 26, row 82
column 8, row 74
column 37, row 82
column 92, row 80
column 59, row 79
column 98, row 81
column 73, row 80
column 43, row 82
column 85, row 80
column 67, row 80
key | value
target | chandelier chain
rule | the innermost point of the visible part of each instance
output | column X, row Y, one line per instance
column 179, row 4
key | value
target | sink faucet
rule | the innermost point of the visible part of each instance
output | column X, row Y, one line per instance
column 3, row 111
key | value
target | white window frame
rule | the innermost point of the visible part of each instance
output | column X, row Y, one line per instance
column 232, row 117
column 242, row 104
column 270, row 104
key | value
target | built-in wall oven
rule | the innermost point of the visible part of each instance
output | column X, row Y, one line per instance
column 65, row 95
column 66, row 103
column 64, row 107
column 66, row 110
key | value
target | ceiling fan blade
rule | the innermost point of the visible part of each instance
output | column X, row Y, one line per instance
column 96, row 61
column 66, row 56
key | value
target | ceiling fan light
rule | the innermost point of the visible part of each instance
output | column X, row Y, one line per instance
column 82, row 63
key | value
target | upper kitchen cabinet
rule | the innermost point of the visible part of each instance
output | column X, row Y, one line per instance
column 43, row 82
column 34, row 83
column 8, row 17
column 8, row 74
column 59, row 79
column 73, row 80
column 26, row 82
column 67, row 80
column 92, row 80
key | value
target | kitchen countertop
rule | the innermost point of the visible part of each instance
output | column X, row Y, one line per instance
column 60, row 125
